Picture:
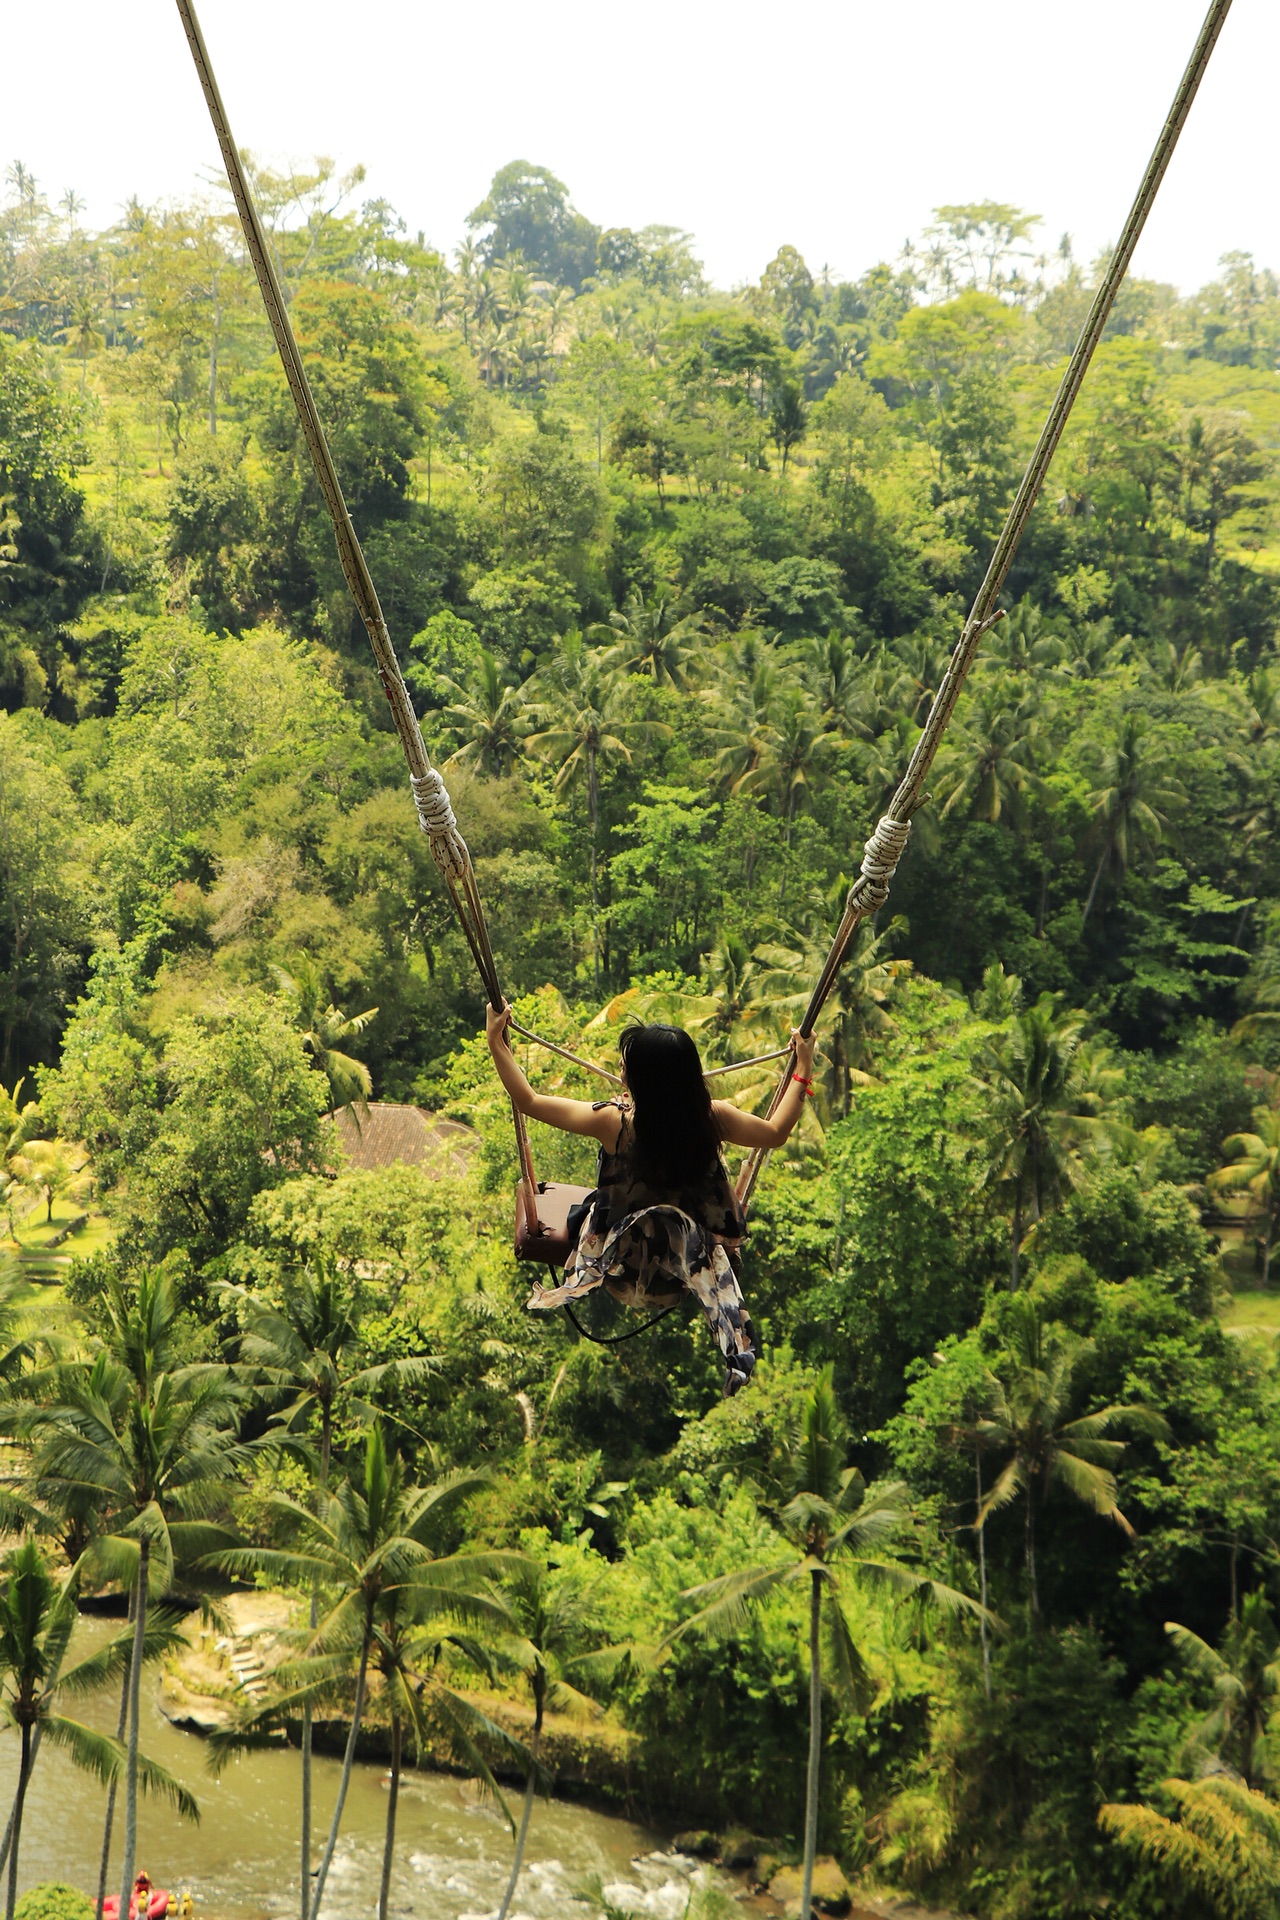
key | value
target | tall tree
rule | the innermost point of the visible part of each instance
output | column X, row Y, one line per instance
column 371, row 1533
column 1256, row 1170
column 1030, row 1422
column 37, row 1616
column 831, row 1520
column 1244, row 1675
column 151, row 1442
column 1046, row 1107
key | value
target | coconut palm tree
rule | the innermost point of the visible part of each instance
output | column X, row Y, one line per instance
column 832, row 1523
column 1030, row 1422
column 1047, row 1096
column 306, row 1349
column 489, row 718
column 582, row 698
column 370, row 1535
column 1132, row 802
column 987, row 767
column 556, row 1620
column 651, row 638
column 1256, row 1169
column 790, row 752
column 325, row 1029
column 150, row 1443
column 1222, row 1851
column 1245, row 1678
column 37, row 1616
column 856, row 1019
column 410, row 1638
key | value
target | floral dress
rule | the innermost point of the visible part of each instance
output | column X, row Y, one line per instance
column 649, row 1247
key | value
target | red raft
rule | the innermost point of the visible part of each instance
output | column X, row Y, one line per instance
column 157, row 1899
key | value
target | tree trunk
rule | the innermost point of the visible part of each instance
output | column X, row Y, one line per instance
column 1033, row 1591
column 1266, row 1248
column 131, row 1760
column 24, row 1774
column 122, row 1722
column 326, row 1443
column 347, row 1760
column 1015, row 1240
column 815, row 1745
column 593, row 812
column 982, row 1577
column 388, row 1851
column 1093, row 890
column 526, row 1812
column 213, row 362
column 7, row 1842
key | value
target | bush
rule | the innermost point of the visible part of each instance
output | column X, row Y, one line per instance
column 54, row 1901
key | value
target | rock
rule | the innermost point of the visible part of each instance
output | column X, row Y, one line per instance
column 830, row 1888
column 192, row 1718
column 738, row 1851
column 698, row 1844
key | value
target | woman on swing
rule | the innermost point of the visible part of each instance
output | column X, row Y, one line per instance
column 663, row 1219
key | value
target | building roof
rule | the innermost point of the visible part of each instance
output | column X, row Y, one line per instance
column 384, row 1134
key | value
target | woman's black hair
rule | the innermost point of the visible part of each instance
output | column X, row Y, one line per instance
column 677, row 1140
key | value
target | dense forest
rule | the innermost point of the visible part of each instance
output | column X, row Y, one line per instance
column 673, row 574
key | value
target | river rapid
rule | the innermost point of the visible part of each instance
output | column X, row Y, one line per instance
column 453, row 1850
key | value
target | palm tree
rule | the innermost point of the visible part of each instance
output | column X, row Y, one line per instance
column 1245, row 1677
column 650, row 638
column 37, row 1615
column 1256, row 1168
column 790, row 751
column 150, row 1443
column 1131, row 803
column 308, row 1348
column 1030, row 1421
column 407, row 1651
column 859, row 1000
column 489, row 717
column 370, row 1535
column 987, row 768
column 583, row 698
column 1047, row 1094
column 1223, row 1850
column 829, row 1520
column 556, row 1618
column 324, row 1030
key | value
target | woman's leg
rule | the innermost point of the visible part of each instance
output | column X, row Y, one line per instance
column 720, row 1297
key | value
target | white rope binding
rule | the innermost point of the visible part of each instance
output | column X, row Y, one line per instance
column 880, row 861
column 435, row 817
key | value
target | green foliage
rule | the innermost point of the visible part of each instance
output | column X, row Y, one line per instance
column 51, row 1900
column 674, row 575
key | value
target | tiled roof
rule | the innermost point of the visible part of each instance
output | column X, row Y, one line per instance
column 386, row 1133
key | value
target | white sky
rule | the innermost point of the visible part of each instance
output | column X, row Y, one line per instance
column 835, row 125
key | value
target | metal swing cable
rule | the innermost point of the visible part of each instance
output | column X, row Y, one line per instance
column 887, row 844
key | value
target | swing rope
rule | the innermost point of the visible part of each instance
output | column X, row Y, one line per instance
column 885, row 848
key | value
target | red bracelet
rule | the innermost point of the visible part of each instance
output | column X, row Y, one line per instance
column 802, row 1082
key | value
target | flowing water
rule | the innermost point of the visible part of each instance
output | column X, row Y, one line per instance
column 453, row 1851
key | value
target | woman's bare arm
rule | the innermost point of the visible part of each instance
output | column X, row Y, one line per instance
column 571, row 1116
column 749, row 1129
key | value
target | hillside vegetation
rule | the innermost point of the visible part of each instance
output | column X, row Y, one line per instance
column 673, row 574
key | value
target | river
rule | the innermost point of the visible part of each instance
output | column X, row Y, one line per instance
column 453, row 1851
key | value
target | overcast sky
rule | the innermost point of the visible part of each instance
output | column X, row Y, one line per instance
column 835, row 125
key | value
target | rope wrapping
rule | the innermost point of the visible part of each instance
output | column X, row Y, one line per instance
column 880, row 859
column 436, row 818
